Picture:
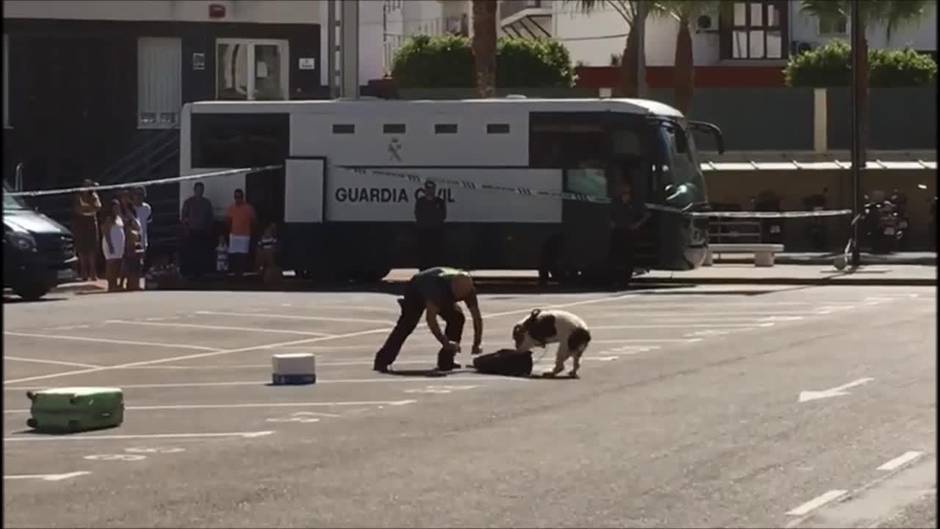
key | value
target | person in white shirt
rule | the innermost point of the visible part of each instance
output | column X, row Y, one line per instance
column 144, row 217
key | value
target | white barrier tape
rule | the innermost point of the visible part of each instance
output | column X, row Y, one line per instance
column 466, row 184
column 227, row 172
column 772, row 214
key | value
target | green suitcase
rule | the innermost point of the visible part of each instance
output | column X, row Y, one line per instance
column 70, row 410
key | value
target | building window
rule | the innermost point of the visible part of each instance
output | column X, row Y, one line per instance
column 343, row 128
column 757, row 30
column 833, row 26
column 445, row 128
column 393, row 128
column 6, row 81
column 159, row 66
column 497, row 128
column 253, row 70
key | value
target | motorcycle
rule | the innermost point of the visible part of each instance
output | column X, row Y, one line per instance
column 900, row 203
column 881, row 224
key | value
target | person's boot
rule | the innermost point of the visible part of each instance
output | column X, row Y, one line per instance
column 445, row 361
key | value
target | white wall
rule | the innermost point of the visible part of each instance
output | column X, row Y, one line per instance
column 570, row 25
column 920, row 35
column 264, row 11
column 371, row 59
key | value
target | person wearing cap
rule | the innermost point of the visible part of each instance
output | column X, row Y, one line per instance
column 437, row 291
column 430, row 214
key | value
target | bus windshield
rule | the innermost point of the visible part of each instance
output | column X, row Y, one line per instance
column 682, row 180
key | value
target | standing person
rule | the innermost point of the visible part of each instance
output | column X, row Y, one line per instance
column 127, row 205
column 430, row 214
column 113, row 243
column 241, row 222
column 437, row 290
column 627, row 217
column 144, row 218
column 85, row 208
column 196, row 218
column 133, row 249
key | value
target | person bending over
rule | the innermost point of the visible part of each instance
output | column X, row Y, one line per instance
column 437, row 290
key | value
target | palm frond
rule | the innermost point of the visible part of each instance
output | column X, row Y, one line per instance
column 625, row 8
column 892, row 13
column 901, row 13
column 683, row 9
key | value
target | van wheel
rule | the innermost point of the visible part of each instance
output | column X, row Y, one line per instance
column 31, row 291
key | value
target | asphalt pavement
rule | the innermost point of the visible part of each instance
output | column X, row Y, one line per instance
column 732, row 406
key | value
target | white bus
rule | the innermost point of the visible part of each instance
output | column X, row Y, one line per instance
column 344, row 200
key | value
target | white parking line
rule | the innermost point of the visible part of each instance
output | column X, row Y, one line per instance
column 292, row 343
column 708, row 314
column 293, row 317
column 219, row 327
column 53, row 362
column 648, row 340
column 217, row 352
column 107, row 340
column 257, row 405
column 901, row 460
column 817, row 502
column 37, row 438
column 49, row 477
column 387, row 380
column 360, row 362
column 682, row 326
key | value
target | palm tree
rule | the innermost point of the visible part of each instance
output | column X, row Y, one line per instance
column 892, row 13
column 484, row 46
column 627, row 9
column 684, row 12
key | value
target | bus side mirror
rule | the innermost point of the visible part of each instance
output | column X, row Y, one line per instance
column 712, row 129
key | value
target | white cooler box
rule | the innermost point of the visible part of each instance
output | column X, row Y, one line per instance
column 294, row 368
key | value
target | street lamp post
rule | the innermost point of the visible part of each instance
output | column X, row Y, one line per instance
column 858, row 149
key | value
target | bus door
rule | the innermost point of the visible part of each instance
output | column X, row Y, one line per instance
column 264, row 190
column 577, row 144
column 586, row 221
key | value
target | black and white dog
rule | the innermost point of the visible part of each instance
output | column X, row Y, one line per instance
column 543, row 327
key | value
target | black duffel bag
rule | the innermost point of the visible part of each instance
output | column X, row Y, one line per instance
column 506, row 362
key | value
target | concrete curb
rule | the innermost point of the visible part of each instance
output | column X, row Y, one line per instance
column 827, row 261
column 79, row 288
column 841, row 280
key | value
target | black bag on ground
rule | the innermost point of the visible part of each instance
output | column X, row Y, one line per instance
column 506, row 362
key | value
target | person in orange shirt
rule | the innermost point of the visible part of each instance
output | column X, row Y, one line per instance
column 241, row 222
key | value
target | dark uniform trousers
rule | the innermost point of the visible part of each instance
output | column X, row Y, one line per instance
column 412, row 307
column 622, row 253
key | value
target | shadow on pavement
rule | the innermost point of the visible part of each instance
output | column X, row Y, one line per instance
column 484, row 286
column 12, row 298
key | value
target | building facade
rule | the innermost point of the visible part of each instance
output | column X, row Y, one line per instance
column 746, row 44
column 88, row 83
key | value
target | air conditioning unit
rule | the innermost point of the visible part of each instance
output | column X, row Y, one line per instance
column 707, row 23
column 797, row 47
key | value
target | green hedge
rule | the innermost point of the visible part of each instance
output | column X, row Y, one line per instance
column 447, row 62
column 831, row 65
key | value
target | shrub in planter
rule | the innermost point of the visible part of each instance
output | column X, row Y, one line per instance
column 447, row 62
column 831, row 65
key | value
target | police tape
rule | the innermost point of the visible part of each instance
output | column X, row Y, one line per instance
column 581, row 197
column 144, row 183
